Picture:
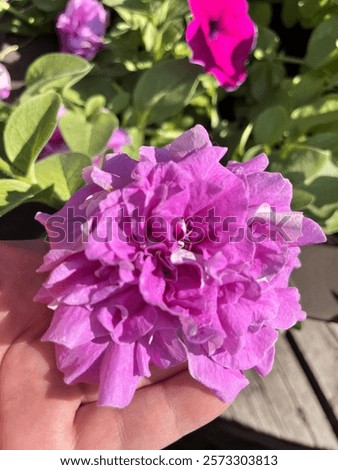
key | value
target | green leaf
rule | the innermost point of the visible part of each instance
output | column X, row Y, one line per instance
column 325, row 141
column 88, row 136
column 261, row 12
column 301, row 199
column 54, row 72
column 322, row 44
column 290, row 13
column 137, row 140
column 90, row 86
column 5, row 112
column 305, row 88
column 309, row 8
column 134, row 5
column 50, row 6
column 134, row 13
column 178, row 8
column 113, row 3
column 95, row 104
column 320, row 114
column 120, row 101
column 270, row 125
column 6, row 171
column 324, row 186
column 169, row 38
column 298, row 326
column 62, row 173
column 325, row 190
column 333, row 81
column 264, row 79
column 326, row 104
column 314, row 172
column 312, row 12
column 13, row 193
column 331, row 224
column 28, row 130
column 267, row 43
column 149, row 35
column 164, row 90
column 305, row 163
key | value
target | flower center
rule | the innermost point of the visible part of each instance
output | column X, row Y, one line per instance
column 213, row 30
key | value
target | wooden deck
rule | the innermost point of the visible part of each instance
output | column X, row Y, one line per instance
column 296, row 405
column 286, row 405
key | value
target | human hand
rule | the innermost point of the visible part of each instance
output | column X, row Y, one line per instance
column 39, row 411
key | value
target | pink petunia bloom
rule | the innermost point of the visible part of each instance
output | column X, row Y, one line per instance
column 81, row 27
column 118, row 140
column 173, row 259
column 221, row 36
column 5, row 83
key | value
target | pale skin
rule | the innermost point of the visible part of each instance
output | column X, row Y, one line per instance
column 39, row 411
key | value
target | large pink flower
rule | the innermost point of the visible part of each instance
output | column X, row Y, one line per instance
column 221, row 36
column 173, row 259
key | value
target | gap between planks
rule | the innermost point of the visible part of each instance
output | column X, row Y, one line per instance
column 283, row 404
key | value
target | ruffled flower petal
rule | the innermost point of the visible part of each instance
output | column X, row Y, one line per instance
column 225, row 383
column 118, row 382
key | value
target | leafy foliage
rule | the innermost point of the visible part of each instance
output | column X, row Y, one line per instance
column 143, row 81
column 288, row 106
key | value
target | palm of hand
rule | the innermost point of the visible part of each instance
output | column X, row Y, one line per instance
column 39, row 411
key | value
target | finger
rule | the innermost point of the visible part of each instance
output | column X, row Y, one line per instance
column 18, row 284
column 37, row 409
column 159, row 415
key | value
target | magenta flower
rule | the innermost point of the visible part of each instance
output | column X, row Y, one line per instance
column 81, row 27
column 173, row 259
column 221, row 36
column 5, row 83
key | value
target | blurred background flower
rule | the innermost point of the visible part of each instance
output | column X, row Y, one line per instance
column 221, row 36
column 5, row 83
column 81, row 27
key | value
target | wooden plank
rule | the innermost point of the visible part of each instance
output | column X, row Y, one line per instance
column 318, row 342
column 317, row 281
column 283, row 404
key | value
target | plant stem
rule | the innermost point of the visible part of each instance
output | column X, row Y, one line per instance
column 290, row 60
